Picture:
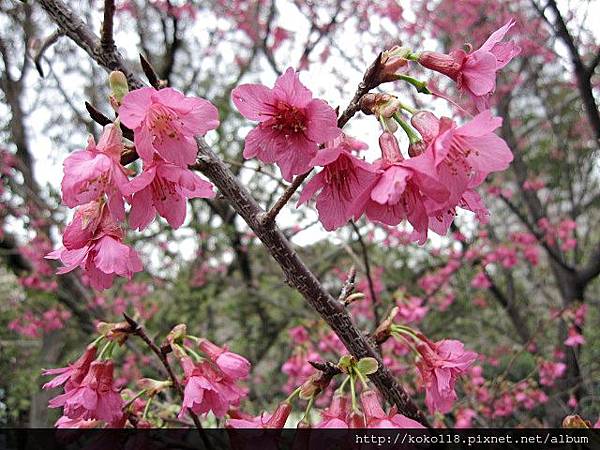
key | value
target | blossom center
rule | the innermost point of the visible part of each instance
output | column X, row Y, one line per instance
column 289, row 119
column 164, row 122
column 339, row 175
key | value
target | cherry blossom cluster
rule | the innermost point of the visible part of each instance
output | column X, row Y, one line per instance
column 93, row 398
column 444, row 163
column 95, row 182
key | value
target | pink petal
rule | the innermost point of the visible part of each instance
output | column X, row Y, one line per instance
column 134, row 107
column 254, row 101
column 321, row 123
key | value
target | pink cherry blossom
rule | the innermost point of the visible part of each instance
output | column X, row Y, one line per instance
column 67, row 422
column 480, row 281
column 163, row 187
column 475, row 73
column 94, row 242
column 231, row 364
column 72, row 375
column 376, row 418
column 550, row 372
column 402, row 188
column 95, row 398
column 95, row 171
column 165, row 122
column 341, row 184
column 440, row 365
column 208, row 389
column 574, row 338
column 336, row 416
column 291, row 123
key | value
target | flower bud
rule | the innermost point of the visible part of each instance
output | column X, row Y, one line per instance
column 393, row 61
column 390, row 150
column 280, row 416
column 118, row 85
column 416, row 148
column 574, row 421
column 177, row 334
column 382, row 105
column 117, row 332
column 427, row 124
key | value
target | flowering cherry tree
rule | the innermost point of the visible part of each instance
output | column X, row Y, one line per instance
column 189, row 157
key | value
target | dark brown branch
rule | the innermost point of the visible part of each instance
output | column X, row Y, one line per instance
column 294, row 269
column 106, row 36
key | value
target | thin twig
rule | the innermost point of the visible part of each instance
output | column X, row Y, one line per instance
column 106, row 37
column 139, row 331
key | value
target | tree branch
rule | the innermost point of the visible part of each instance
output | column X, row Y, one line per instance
column 296, row 272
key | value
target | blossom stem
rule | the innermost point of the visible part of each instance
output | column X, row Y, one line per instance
column 97, row 340
column 412, row 135
column 106, row 352
column 353, row 393
column 147, row 407
column 405, row 107
column 311, row 401
column 420, row 86
column 343, row 385
column 362, row 378
column 134, row 398
column 293, row 394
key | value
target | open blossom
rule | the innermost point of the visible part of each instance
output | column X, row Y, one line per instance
column 463, row 156
column 291, row 123
column 208, row 389
column 95, row 171
column 72, row 375
column 440, row 365
column 401, row 189
column 94, row 242
column 233, row 365
column 575, row 338
column 95, row 398
column 475, row 73
column 376, row 418
column 165, row 122
column 341, row 184
column 163, row 187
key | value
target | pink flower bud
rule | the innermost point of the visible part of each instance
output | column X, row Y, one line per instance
column 390, row 150
column 426, row 124
column 280, row 416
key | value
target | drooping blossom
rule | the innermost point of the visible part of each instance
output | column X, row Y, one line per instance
column 341, row 184
column 574, row 338
column 291, row 123
column 264, row 420
column 402, row 187
column 336, row 416
column 233, row 365
column 441, row 363
column 95, row 171
column 71, row 375
column 475, row 72
column 376, row 417
column 463, row 156
column 165, row 122
column 207, row 388
column 94, row 242
column 95, row 398
column 163, row 187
